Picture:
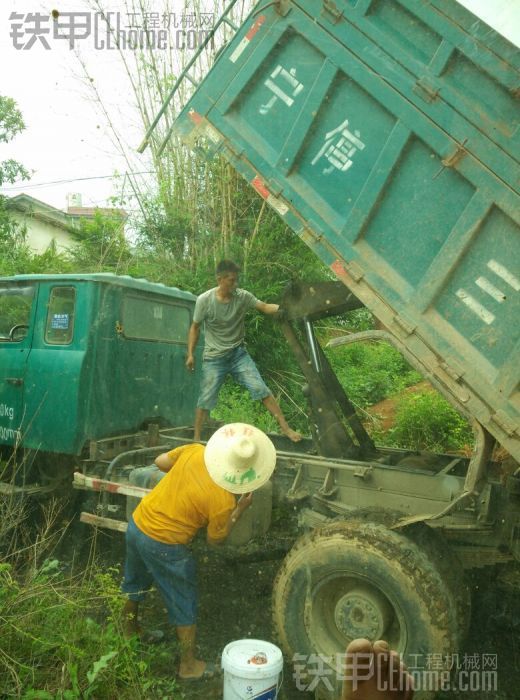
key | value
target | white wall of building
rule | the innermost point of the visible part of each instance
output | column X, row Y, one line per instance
column 40, row 234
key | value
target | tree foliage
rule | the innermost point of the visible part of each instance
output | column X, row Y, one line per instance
column 101, row 244
column 11, row 124
column 13, row 247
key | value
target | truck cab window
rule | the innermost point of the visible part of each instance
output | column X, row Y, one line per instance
column 149, row 319
column 59, row 328
column 15, row 312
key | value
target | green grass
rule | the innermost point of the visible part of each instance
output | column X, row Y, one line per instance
column 370, row 372
column 426, row 421
column 62, row 638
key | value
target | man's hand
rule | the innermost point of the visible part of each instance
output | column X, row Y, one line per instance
column 190, row 363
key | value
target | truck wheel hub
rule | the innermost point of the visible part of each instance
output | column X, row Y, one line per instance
column 362, row 613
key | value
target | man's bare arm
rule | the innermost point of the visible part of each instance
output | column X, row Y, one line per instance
column 244, row 502
column 164, row 462
column 268, row 309
column 193, row 339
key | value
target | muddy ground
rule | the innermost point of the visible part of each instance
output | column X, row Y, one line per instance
column 235, row 603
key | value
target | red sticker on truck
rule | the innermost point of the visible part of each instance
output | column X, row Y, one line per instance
column 242, row 45
column 195, row 117
column 260, row 187
column 278, row 204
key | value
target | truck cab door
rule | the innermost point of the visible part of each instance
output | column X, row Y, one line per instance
column 17, row 317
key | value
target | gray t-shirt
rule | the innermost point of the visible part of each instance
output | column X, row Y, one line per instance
column 223, row 322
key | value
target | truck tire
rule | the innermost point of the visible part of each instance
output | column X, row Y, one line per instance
column 439, row 553
column 357, row 579
column 445, row 560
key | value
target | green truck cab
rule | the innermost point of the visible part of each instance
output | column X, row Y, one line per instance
column 85, row 358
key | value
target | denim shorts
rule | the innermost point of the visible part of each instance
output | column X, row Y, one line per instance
column 171, row 567
column 239, row 364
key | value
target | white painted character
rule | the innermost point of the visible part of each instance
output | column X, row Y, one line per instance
column 498, row 274
column 279, row 74
column 339, row 148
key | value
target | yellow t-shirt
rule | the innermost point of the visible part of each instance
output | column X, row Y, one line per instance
column 185, row 500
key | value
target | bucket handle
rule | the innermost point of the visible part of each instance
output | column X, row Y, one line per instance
column 279, row 686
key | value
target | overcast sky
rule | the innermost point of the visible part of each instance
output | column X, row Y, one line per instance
column 66, row 138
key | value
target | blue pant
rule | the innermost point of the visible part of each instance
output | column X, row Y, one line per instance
column 170, row 566
column 239, row 364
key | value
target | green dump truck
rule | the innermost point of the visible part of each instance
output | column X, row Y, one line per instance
column 385, row 133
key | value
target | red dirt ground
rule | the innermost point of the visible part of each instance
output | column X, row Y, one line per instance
column 385, row 410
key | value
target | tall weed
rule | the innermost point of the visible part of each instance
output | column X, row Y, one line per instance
column 61, row 630
column 426, row 421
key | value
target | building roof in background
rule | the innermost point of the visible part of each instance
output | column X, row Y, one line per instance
column 90, row 212
column 68, row 220
column 44, row 212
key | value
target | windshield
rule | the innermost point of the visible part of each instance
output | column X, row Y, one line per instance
column 15, row 312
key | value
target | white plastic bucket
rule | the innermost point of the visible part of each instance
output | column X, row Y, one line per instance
column 251, row 670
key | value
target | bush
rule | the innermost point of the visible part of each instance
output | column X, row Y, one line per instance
column 61, row 630
column 426, row 421
column 61, row 638
column 370, row 372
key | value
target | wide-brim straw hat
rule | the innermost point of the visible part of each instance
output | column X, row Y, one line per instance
column 240, row 457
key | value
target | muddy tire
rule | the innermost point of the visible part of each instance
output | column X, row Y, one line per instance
column 357, row 579
column 439, row 552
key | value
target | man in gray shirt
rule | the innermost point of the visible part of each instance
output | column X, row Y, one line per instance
column 222, row 310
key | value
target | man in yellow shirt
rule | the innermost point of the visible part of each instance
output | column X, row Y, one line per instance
column 196, row 492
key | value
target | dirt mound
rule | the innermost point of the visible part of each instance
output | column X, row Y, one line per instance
column 384, row 411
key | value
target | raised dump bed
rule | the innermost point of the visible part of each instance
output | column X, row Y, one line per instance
column 385, row 133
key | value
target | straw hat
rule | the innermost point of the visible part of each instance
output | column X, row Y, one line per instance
column 240, row 457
